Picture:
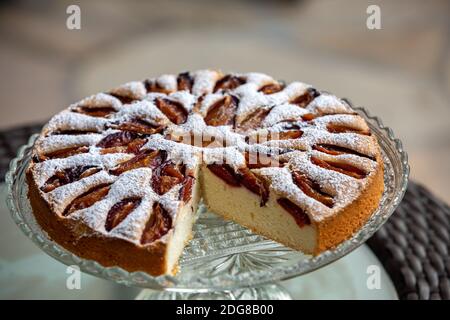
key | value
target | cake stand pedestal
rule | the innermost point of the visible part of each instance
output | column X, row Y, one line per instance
column 267, row 292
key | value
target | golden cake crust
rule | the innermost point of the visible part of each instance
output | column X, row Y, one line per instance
column 107, row 251
column 345, row 223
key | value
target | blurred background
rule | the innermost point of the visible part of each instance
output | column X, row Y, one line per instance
column 401, row 72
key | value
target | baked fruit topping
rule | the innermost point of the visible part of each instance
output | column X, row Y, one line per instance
column 66, row 176
column 69, row 132
column 117, row 177
column 64, row 153
column 308, row 117
column 299, row 215
column 187, row 188
column 125, row 99
column 311, row 188
column 145, row 158
column 338, row 128
column 249, row 180
column 271, row 88
column 172, row 109
column 154, row 86
column 120, row 211
column 95, row 111
column 88, row 199
column 120, row 142
column 185, row 82
column 165, row 177
column 340, row 167
column 226, row 173
column 229, row 82
column 306, row 98
column 244, row 177
column 254, row 120
column 222, row 113
column 338, row 150
column 139, row 126
column 275, row 135
column 157, row 226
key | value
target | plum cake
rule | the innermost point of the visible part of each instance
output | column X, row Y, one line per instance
column 117, row 176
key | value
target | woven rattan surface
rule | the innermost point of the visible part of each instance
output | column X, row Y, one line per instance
column 413, row 245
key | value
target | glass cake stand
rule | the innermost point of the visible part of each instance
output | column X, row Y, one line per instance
column 224, row 260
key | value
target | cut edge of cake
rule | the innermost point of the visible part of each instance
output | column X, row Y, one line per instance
column 274, row 222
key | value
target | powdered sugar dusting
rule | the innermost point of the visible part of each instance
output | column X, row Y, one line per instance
column 312, row 120
column 204, row 81
column 45, row 170
column 185, row 98
column 208, row 101
column 133, row 89
column 57, row 142
column 350, row 120
column 167, row 81
column 328, row 104
column 70, row 121
column 144, row 110
column 283, row 112
column 259, row 79
column 98, row 100
column 61, row 197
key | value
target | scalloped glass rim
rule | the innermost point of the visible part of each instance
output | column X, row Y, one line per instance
column 396, row 179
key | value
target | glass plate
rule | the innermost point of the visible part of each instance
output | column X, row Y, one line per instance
column 222, row 255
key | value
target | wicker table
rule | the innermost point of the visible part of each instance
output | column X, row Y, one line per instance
column 413, row 245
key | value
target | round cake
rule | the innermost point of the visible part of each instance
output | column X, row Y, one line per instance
column 117, row 176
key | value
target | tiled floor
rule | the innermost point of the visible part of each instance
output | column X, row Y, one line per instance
column 401, row 72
